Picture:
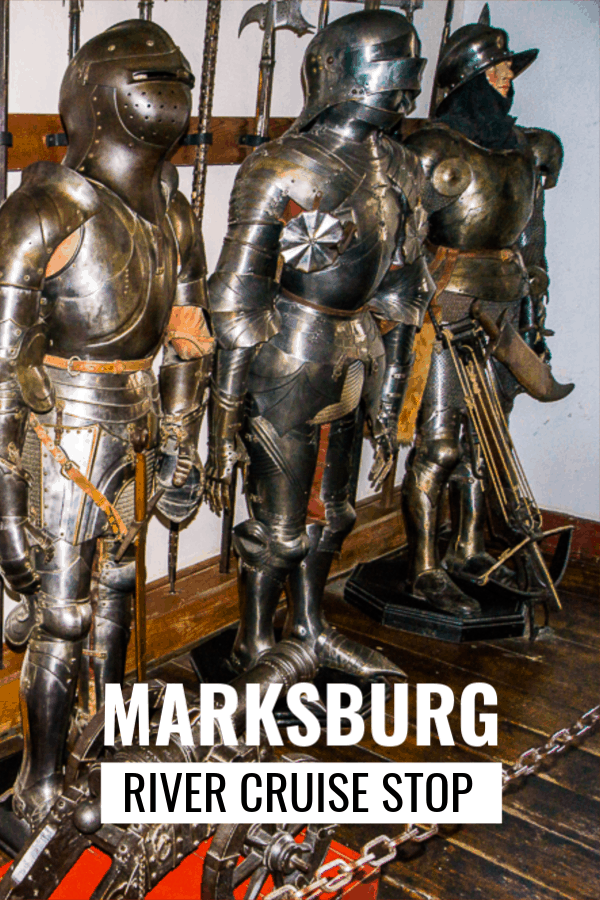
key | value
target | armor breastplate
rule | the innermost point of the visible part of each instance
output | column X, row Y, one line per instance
column 360, row 195
column 113, row 298
column 496, row 203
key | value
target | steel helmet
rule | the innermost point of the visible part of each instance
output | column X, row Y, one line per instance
column 359, row 57
column 474, row 48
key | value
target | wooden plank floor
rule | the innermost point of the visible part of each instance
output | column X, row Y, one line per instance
column 548, row 846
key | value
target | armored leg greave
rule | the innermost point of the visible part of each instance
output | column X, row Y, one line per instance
column 435, row 457
column 259, row 594
column 48, row 682
column 466, row 554
column 467, row 500
column 111, row 627
column 63, row 616
column 307, row 582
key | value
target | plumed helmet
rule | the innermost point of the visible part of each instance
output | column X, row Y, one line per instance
column 358, row 57
column 130, row 84
column 474, row 48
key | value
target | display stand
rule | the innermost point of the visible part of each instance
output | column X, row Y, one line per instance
column 378, row 589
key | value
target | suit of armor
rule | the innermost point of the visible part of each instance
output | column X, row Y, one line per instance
column 485, row 181
column 300, row 344
column 101, row 261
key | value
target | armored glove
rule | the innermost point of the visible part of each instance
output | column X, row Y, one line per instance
column 225, row 447
column 384, row 430
column 532, row 321
column 226, row 414
column 180, row 473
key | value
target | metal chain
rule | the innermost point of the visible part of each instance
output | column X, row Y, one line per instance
column 382, row 849
column 531, row 760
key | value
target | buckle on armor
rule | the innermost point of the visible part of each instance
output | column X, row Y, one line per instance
column 73, row 360
column 118, row 367
column 66, row 468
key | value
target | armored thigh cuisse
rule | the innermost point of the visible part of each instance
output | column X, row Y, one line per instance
column 431, row 463
column 273, row 541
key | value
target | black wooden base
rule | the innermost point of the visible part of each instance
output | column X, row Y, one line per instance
column 211, row 664
column 378, row 589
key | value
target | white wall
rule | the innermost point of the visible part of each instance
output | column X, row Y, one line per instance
column 559, row 444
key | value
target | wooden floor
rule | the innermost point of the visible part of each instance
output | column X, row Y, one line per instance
column 548, row 846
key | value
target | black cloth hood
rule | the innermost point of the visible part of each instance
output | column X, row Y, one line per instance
column 480, row 112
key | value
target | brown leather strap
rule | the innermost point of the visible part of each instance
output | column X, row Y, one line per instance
column 441, row 252
column 97, row 367
column 69, row 470
column 446, row 258
column 341, row 313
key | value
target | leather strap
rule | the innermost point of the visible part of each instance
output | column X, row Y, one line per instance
column 445, row 257
column 69, row 470
column 470, row 254
column 339, row 313
column 97, row 367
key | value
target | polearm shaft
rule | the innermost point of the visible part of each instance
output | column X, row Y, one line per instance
column 75, row 8
column 145, row 8
column 207, row 90
column 437, row 94
column 270, row 16
column 5, row 135
column 323, row 15
column 265, row 75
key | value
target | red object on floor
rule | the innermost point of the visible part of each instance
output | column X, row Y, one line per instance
column 185, row 881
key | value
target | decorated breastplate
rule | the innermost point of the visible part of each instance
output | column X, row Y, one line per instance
column 112, row 297
column 494, row 191
column 337, row 253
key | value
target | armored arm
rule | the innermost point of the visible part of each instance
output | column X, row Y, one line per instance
column 548, row 155
column 185, row 371
column 401, row 303
column 50, row 205
column 242, row 293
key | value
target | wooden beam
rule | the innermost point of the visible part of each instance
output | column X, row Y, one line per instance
column 29, row 131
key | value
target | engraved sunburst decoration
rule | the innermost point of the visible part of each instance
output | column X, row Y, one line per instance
column 310, row 242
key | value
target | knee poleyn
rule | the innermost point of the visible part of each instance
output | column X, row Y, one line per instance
column 258, row 547
column 69, row 620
